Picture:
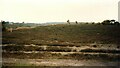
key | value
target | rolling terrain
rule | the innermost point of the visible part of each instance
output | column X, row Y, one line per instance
column 76, row 45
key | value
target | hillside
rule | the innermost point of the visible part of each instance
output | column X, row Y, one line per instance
column 82, row 33
column 76, row 45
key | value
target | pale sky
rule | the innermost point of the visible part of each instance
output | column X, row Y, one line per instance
column 58, row 10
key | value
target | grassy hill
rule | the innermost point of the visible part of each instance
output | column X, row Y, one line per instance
column 81, row 33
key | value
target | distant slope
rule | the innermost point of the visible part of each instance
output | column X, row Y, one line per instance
column 52, row 23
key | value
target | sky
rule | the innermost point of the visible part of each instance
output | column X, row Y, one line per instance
column 40, row 11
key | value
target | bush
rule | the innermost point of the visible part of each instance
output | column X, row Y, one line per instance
column 116, row 23
column 106, row 22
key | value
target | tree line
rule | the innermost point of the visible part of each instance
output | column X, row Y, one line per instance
column 105, row 22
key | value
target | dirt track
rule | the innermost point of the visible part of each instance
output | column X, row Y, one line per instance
column 57, row 62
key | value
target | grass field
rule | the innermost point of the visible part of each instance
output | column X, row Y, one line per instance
column 83, row 33
column 76, row 41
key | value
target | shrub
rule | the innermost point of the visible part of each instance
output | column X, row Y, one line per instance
column 106, row 22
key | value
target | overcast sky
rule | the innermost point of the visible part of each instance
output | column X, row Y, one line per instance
column 58, row 10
